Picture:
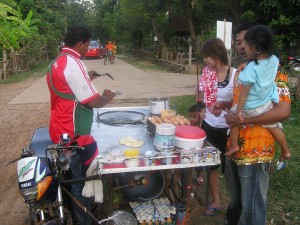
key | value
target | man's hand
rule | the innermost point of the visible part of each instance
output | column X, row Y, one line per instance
column 93, row 74
column 231, row 119
column 108, row 94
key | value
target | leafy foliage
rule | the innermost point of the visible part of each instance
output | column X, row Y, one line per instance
column 14, row 29
column 283, row 16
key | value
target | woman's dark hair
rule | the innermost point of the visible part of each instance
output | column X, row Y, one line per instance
column 197, row 107
column 76, row 34
column 261, row 38
column 215, row 48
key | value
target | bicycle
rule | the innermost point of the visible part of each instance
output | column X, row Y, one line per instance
column 109, row 56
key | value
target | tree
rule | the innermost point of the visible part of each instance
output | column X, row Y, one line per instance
column 283, row 16
column 14, row 29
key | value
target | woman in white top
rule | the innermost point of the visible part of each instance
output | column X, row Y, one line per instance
column 215, row 87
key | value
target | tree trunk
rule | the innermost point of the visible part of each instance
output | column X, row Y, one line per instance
column 13, row 60
column 156, row 31
column 191, row 26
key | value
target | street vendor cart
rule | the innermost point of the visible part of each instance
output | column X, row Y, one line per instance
column 137, row 178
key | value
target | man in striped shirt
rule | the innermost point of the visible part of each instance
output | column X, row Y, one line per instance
column 73, row 97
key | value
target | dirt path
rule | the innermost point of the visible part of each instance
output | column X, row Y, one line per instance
column 17, row 124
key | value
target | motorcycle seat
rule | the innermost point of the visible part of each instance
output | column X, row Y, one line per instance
column 40, row 141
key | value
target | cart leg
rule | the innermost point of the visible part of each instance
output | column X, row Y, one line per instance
column 167, row 174
column 207, row 186
column 189, row 187
column 109, row 196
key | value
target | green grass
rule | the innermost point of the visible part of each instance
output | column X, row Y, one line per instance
column 37, row 71
column 284, row 189
column 143, row 64
column 284, row 192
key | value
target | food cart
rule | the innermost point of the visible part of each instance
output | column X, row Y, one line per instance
column 110, row 126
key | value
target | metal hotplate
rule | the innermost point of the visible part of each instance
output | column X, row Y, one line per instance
column 119, row 118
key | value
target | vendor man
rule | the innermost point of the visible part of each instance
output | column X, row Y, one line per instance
column 73, row 97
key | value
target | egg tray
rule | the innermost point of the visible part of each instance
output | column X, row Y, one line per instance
column 158, row 223
column 155, row 211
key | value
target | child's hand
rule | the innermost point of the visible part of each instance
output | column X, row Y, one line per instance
column 217, row 108
column 241, row 116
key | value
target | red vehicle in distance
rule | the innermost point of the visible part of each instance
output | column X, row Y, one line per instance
column 95, row 50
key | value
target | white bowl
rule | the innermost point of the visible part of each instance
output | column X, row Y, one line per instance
column 189, row 143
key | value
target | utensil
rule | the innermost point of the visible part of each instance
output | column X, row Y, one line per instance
column 118, row 92
column 104, row 74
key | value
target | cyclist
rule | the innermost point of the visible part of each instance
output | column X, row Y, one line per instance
column 109, row 47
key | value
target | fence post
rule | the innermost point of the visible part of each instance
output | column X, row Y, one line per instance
column 190, row 55
column 4, row 64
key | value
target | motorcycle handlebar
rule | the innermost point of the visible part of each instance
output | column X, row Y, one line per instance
column 26, row 152
column 12, row 161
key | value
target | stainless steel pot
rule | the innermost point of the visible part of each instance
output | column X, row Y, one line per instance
column 158, row 104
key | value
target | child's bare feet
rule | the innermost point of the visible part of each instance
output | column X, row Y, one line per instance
column 285, row 155
column 231, row 150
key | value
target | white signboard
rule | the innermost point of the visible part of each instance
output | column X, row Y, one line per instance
column 224, row 32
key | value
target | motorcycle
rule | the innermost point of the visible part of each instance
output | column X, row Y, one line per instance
column 43, row 171
column 294, row 65
column 44, row 180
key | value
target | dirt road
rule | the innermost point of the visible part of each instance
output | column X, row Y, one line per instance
column 17, row 124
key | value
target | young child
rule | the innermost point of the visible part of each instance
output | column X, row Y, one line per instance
column 196, row 116
column 258, row 88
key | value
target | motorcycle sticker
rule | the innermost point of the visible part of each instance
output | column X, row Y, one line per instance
column 25, row 168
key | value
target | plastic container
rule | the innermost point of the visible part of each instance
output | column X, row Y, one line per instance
column 189, row 137
column 186, row 156
column 147, row 160
column 164, row 137
column 132, row 157
column 167, row 160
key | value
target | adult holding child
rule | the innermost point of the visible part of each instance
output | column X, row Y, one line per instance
column 247, row 171
column 258, row 88
column 215, row 86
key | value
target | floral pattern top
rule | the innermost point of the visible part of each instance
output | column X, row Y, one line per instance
column 257, row 143
column 208, row 85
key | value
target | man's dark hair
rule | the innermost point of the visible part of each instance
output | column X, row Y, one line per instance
column 244, row 26
column 197, row 107
column 76, row 34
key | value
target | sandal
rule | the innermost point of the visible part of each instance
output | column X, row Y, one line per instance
column 211, row 211
column 200, row 180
